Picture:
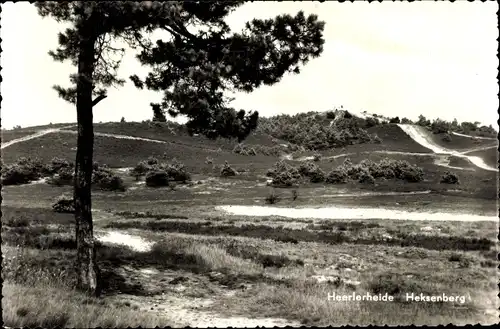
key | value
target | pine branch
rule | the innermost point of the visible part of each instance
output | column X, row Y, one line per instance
column 98, row 99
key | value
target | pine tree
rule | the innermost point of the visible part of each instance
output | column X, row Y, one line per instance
column 193, row 69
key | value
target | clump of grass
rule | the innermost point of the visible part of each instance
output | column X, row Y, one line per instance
column 227, row 170
column 463, row 260
column 272, row 197
column 396, row 285
column 64, row 204
column 244, row 150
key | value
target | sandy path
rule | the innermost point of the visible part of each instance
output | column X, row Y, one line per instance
column 180, row 310
column 35, row 135
column 474, row 137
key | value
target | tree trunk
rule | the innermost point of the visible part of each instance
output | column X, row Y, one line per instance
column 86, row 266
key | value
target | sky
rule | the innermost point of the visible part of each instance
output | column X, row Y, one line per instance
column 402, row 59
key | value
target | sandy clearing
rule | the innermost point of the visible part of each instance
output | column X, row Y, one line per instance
column 133, row 242
column 352, row 213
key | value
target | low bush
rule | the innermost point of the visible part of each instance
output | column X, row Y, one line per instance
column 371, row 122
column 106, row 180
column 175, row 171
column 367, row 171
column 366, row 178
column 64, row 176
column 283, row 174
column 272, row 198
column 56, row 165
column 447, row 138
column 64, row 204
column 244, row 150
column 24, row 171
column 141, row 169
column 312, row 171
column 157, row 178
column 227, row 171
column 449, row 178
column 337, row 176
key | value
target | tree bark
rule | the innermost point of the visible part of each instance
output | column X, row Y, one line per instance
column 86, row 266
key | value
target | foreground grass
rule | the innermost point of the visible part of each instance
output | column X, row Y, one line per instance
column 212, row 259
column 48, row 307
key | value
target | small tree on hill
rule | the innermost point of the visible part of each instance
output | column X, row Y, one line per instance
column 193, row 69
column 158, row 113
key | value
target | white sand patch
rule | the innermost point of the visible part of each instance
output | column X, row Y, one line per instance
column 148, row 271
column 334, row 212
column 39, row 181
column 418, row 134
column 361, row 194
column 133, row 242
column 309, row 158
column 478, row 162
column 124, row 170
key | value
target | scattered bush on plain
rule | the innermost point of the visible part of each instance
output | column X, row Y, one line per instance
column 449, row 178
column 175, row 171
column 367, row 171
column 227, row 170
column 24, row 171
column 64, row 204
column 283, row 174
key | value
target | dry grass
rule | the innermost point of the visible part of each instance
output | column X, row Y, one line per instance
column 48, row 307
